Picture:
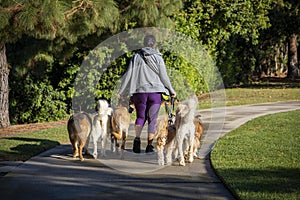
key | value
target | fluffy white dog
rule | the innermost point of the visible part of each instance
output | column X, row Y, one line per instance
column 101, row 127
column 185, row 129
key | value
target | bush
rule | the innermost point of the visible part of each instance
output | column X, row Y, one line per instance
column 35, row 101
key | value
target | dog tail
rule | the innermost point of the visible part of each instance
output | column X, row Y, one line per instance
column 115, row 125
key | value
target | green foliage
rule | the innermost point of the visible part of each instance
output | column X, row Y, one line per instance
column 148, row 13
column 53, row 39
column 215, row 21
column 111, row 76
column 237, row 62
column 68, row 28
column 185, row 78
column 272, row 51
column 216, row 24
column 89, row 17
column 35, row 101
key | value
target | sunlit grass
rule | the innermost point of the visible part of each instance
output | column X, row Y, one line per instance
column 245, row 96
column 24, row 146
column 260, row 160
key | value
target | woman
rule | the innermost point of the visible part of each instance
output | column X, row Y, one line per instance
column 146, row 79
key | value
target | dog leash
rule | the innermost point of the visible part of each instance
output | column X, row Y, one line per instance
column 170, row 110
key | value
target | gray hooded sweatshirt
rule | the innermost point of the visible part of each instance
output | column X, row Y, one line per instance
column 146, row 73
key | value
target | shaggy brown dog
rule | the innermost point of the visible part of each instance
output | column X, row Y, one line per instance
column 166, row 134
column 79, row 128
column 199, row 129
column 120, row 122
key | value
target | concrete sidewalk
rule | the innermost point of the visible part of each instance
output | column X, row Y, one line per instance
column 54, row 174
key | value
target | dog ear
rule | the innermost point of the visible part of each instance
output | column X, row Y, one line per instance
column 182, row 110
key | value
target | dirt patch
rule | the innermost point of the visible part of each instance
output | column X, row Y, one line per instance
column 26, row 128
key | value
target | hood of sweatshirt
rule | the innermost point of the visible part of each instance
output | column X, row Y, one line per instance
column 147, row 51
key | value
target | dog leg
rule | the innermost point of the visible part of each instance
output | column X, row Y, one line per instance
column 169, row 148
column 75, row 149
column 116, row 145
column 160, row 155
column 191, row 147
column 95, row 151
column 179, row 141
column 124, row 136
column 103, row 146
column 112, row 143
column 81, row 145
column 86, row 151
column 104, row 137
column 96, row 132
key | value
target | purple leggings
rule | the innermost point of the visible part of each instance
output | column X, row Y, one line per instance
column 147, row 107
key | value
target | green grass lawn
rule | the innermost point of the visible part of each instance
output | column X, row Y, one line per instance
column 24, row 146
column 244, row 96
column 260, row 159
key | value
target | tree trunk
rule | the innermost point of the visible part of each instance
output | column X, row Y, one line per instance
column 4, row 89
column 293, row 64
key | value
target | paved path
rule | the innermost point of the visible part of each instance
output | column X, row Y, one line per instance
column 55, row 175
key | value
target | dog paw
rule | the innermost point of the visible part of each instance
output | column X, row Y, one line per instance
column 168, row 163
column 161, row 162
column 181, row 162
column 75, row 155
column 95, row 155
column 191, row 159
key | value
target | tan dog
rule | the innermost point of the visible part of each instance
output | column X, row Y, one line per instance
column 199, row 129
column 79, row 128
column 120, row 122
column 84, row 126
column 165, row 136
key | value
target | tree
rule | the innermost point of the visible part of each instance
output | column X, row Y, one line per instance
column 73, row 27
column 45, row 19
column 278, row 44
column 4, row 71
column 293, row 63
column 226, row 29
